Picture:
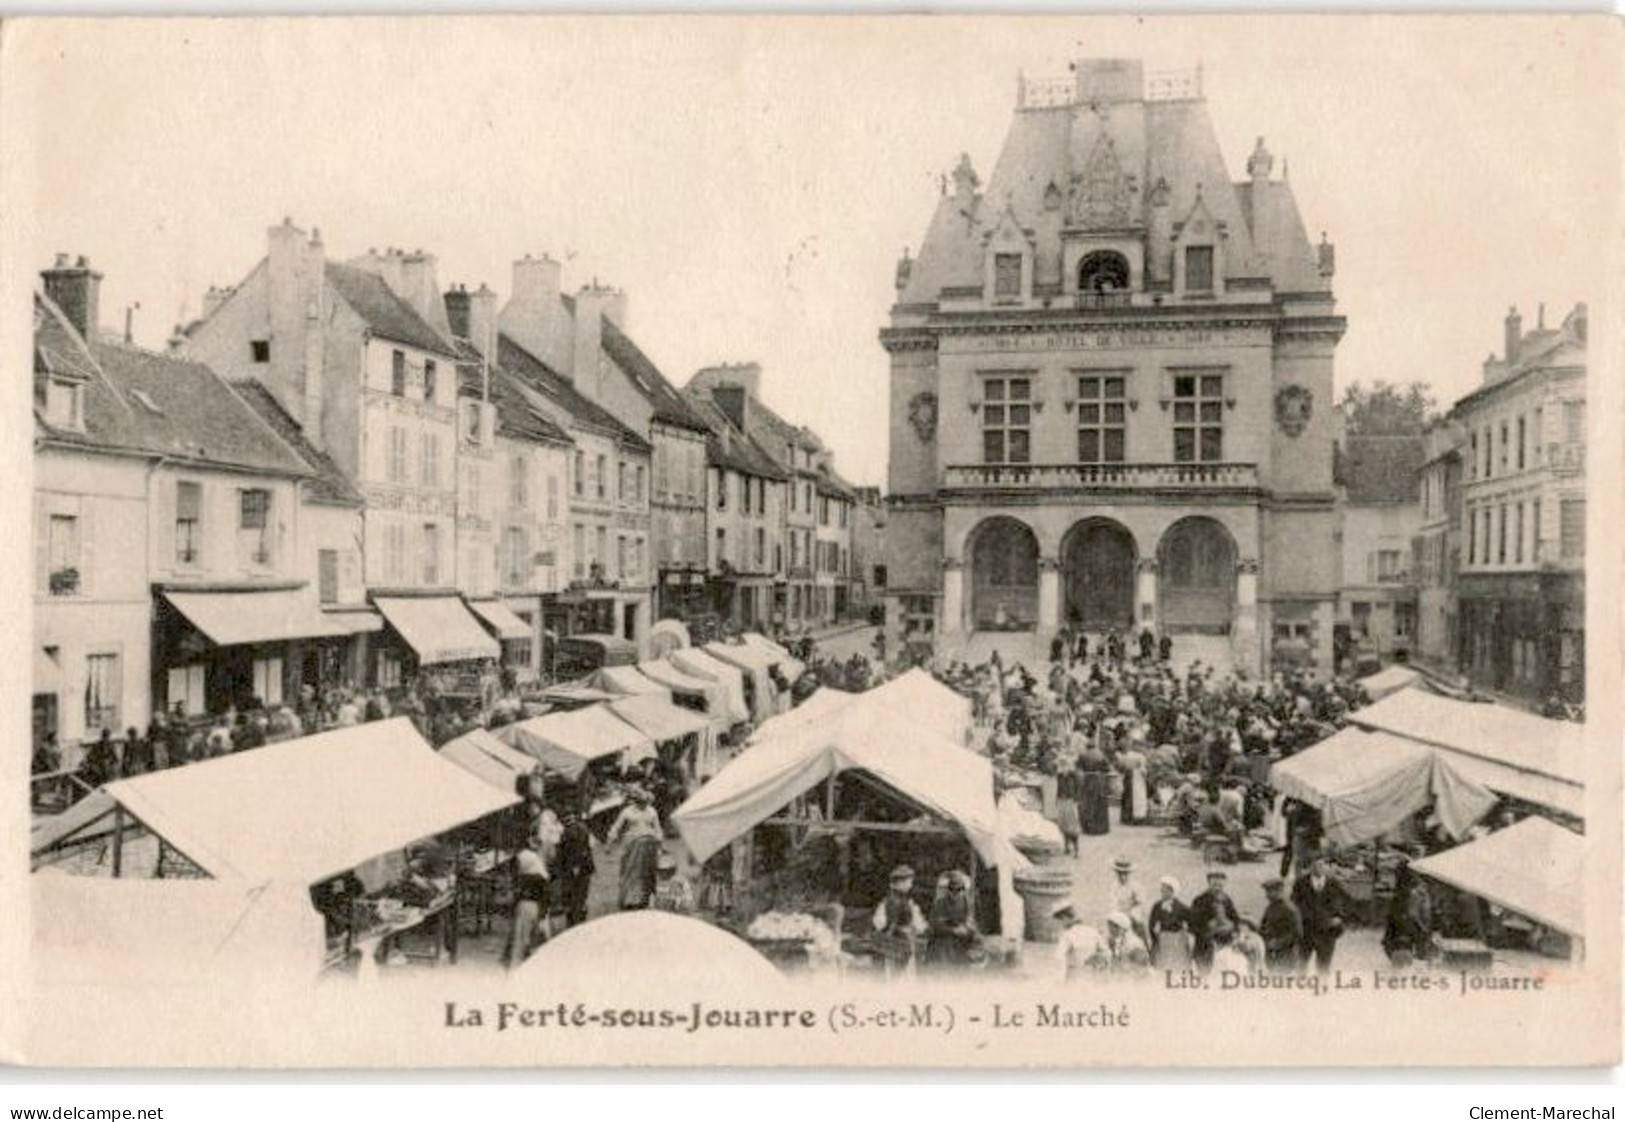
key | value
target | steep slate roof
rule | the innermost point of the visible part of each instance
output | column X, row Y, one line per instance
column 669, row 406
column 147, row 403
column 726, row 446
column 330, row 484
column 1171, row 140
column 535, row 374
column 515, row 417
column 385, row 313
column 1381, row 469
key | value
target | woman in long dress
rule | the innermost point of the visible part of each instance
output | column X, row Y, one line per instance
column 638, row 827
column 1068, row 789
column 1169, row 926
column 1134, row 808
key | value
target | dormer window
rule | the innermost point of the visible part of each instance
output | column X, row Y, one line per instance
column 1007, row 275
column 1199, row 268
column 65, row 404
column 1103, row 271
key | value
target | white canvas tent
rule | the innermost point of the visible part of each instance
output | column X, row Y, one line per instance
column 567, row 742
column 790, row 666
column 660, row 720
column 950, row 781
column 820, row 704
column 698, row 664
column 757, row 664
column 713, row 695
column 1535, row 868
column 649, row 948
column 304, row 810
column 481, row 754
column 922, row 698
column 1389, row 680
column 1364, row 784
column 626, row 680
column 1507, row 750
column 101, row 931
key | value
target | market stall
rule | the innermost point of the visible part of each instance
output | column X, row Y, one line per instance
column 622, row 681
column 1533, row 868
column 698, row 664
column 700, row 694
column 1389, row 681
column 439, row 640
column 354, row 815
column 1364, row 784
column 568, row 742
column 761, row 694
column 481, row 754
column 650, row 948
column 791, row 667
column 1512, row 752
column 876, row 786
column 926, row 700
column 680, row 734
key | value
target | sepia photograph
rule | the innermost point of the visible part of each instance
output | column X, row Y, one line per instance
column 818, row 540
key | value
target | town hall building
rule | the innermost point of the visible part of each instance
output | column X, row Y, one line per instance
column 1111, row 387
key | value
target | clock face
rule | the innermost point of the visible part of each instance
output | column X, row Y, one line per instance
column 922, row 414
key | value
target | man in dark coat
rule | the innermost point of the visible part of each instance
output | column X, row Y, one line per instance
column 573, row 868
column 1280, row 928
column 1206, row 910
column 1322, row 903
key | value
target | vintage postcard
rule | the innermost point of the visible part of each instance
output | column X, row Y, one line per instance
column 909, row 542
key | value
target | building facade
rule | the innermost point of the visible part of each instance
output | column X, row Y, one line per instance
column 868, row 564
column 1111, row 386
column 1379, row 479
column 1436, row 549
column 1520, row 593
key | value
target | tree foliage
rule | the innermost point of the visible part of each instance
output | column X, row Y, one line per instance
column 1387, row 409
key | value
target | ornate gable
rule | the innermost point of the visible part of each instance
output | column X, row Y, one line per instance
column 1103, row 193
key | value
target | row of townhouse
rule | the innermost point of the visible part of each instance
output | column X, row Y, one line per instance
column 1499, row 549
column 344, row 476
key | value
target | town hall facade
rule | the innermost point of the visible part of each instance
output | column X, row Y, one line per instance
column 1111, row 387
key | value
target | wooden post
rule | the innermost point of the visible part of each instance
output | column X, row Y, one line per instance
column 829, row 799
column 118, row 841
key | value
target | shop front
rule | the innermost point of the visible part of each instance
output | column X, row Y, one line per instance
column 517, row 636
column 241, row 648
column 436, row 643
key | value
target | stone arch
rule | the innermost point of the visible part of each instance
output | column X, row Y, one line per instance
column 1002, row 559
column 1196, row 576
column 1104, row 270
column 1098, row 559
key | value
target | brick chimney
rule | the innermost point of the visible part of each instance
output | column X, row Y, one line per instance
column 1514, row 335
column 473, row 316
column 534, row 317
column 456, row 299
column 77, row 289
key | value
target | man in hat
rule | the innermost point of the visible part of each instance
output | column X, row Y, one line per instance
column 1281, row 929
column 898, row 921
column 1125, row 895
column 1079, row 950
column 1207, row 911
column 1322, row 902
column 673, row 892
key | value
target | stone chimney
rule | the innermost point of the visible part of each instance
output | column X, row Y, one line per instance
column 420, row 289
column 76, row 288
column 534, row 316
column 746, row 374
column 1514, row 335
column 216, row 296
column 288, row 300
column 456, row 299
column 594, row 304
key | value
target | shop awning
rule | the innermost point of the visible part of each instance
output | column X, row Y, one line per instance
column 438, row 628
column 503, row 623
column 701, row 665
column 659, row 720
column 567, row 742
column 308, row 809
column 1364, row 784
column 355, row 621
column 1506, row 749
column 481, row 754
column 1535, row 868
column 627, row 681
column 256, row 616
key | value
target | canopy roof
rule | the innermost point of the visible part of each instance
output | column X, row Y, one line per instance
column 950, row 781
column 308, row 809
column 501, row 619
column 481, row 754
column 1534, row 867
column 1366, row 783
column 657, row 718
column 658, row 947
column 701, row 665
column 1508, row 750
column 822, row 703
column 98, row 930
column 1390, row 680
column 567, row 742
column 921, row 698
column 755, row 662
column 790, row 666
column 257, row 616
column 622, row 680
column 438, row 628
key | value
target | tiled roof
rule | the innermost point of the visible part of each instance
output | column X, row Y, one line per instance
column 1381, row 469
column 330, row 484
column 831, row 483
column 542, row 378
column 515, row 417
column 669, row 406
column 726, row 446
column 386, row 314
column 144, row 402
